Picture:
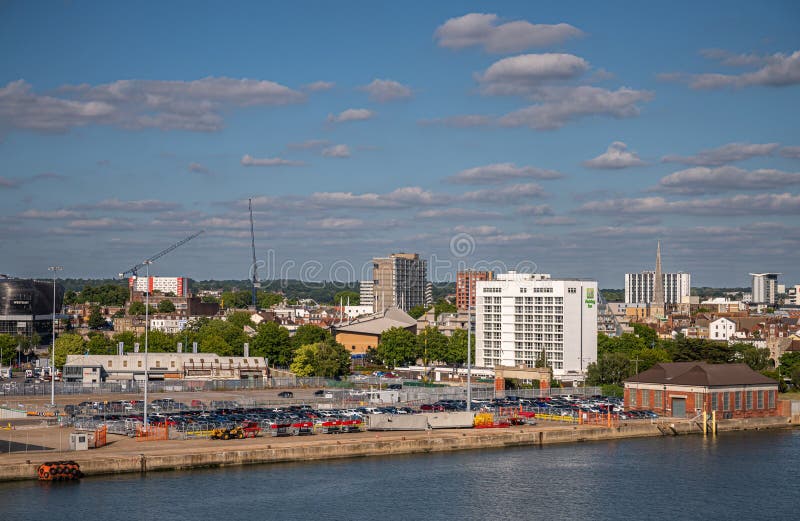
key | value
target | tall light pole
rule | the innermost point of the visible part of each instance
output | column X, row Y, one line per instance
column 54, row 269
column 469, row 340
column 147, row 264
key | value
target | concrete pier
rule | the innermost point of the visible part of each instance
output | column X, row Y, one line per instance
column 124, row 455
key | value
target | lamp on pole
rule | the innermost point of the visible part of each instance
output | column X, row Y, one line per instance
column 147, row 264
column 469, row 340
column 54, row 269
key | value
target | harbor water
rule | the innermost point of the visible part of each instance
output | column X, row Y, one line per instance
column 748, row 475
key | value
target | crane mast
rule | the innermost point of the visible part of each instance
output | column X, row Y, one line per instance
column 254, row 268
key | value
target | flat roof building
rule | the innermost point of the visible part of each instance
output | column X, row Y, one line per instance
column 521, row 317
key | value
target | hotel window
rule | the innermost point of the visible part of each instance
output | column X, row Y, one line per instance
column 760, row 399
column 737, row 399
column 645, row 398
column 748, row 395
column 713, row 401
column 726, row 401
column 658, row 395
column 572, row 290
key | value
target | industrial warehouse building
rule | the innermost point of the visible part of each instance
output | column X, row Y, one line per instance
column 686, row 389
column 163, row 366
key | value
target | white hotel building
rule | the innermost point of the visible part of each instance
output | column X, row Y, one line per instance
column 521, row 315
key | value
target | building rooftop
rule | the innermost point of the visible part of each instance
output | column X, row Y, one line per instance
column 701, row 374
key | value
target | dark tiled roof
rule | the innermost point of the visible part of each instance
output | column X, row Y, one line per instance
column 701, row 374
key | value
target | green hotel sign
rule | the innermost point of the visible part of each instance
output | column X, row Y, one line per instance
column 589, row 297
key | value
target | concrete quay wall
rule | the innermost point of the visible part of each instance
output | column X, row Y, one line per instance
column 95, row 463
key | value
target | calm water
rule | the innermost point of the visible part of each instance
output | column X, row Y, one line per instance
column 737, row 476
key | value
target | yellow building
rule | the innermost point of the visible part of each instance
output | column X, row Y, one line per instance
column 358, row 337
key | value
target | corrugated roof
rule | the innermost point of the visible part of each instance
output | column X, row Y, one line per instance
column 701, row 374
column 392, row 317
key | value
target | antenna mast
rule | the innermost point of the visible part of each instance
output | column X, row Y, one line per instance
column 256, row 283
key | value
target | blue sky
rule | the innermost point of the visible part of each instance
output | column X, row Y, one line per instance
column 567, row 135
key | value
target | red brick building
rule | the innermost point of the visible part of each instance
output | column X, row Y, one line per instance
column 465, row 286
column 686, row 389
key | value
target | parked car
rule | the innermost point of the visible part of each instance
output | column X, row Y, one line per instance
column 286, row 394
column 320, row 392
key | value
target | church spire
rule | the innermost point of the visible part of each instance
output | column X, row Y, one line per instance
column 658, row 282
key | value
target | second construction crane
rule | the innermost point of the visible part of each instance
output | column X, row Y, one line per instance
column 135, row 269
column 254, row 266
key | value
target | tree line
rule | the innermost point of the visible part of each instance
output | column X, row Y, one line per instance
column 224, row 338
column 621, row 357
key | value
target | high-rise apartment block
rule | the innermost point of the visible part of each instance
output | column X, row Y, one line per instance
column 400, row 280
column 639, row 287
column 522, row 316
column 765, row 288
column 465, row 287
column 367, row 293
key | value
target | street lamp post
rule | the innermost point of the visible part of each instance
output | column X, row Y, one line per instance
column 469, row 340
column 54, row 269
column 147, row 264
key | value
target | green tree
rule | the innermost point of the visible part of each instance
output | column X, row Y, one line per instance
column 214, row 343
column 610, row 368
column 443, row 306
column 136, row 309
column 127, row 337
column 166, row 306
column 159, row 342
column 431, row 345
column 646, row 333
column 68, row 344
column 267, row 300
column 398, row 346
column 309, row 334
column 236, row 299
column 541, row 360
column 240, row 319
column 272, row 341
column 96, row 319
column 457, row 348
column 788, row 362
column 332, row 359
column 757, row 359
column 418, row 311
column 303, row 361
column 347, row 296
column 8, row 347
column 99, row 344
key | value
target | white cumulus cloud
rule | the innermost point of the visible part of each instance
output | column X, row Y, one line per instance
column 351, row 115
column 616, row 156
column 522, row 75
column 248, row 160
column 729, row 153
column 501, row 172
column 383, row 91
column 336, row 151
column 485, row 30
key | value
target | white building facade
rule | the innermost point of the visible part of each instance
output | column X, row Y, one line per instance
column 519, row 316
column 639, row 287
column 721, row 329
column 366, row 289
column 765, row 288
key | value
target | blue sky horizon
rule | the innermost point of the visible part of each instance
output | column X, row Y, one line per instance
column 568, row 137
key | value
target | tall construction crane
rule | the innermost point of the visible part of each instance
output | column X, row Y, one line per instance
column 254, row 268
column 134, row 270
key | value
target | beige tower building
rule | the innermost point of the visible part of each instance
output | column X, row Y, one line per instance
column 400, row 280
